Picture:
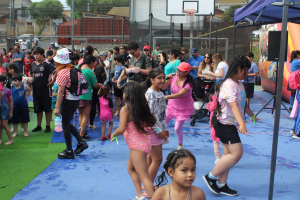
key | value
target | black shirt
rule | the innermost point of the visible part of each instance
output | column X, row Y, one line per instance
column 42, row 75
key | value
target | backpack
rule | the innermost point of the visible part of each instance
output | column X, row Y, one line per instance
column 100, row 73
column 294, row 80
column 155, row 63
column 79, row 86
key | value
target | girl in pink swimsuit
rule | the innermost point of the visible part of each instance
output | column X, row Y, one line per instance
column 135, row 118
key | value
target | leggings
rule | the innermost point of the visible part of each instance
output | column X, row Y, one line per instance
column 95, row 102
column 67, row 108
column 178, row 128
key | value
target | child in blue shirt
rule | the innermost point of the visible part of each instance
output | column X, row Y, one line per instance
column 54, row 95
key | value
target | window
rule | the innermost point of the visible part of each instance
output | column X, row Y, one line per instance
column 24, row 12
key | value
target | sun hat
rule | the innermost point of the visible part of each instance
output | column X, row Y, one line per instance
column 184, row 67
column 62, row 56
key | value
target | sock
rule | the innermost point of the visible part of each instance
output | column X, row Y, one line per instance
column 48, row 127
column 221, row 185
column 210, row 175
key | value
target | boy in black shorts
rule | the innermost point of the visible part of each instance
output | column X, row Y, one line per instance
column 118, row 92
column 41, row 70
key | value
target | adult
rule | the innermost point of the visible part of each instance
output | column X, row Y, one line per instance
column 181, row 103
column 220, row 68
column 116, row 51
column 41, row 71
column 195, row 61
column 162, row 59
column 66, row 105
column 146, row 50
column 249, row 78
column 11, row 52
column 4, row 60
column 180, row 56
column 184, row 50
column 106, row 62
column 85, row 101
column 205, row 67
column 18, row 57
column 173, row 63
column 295, row 65
column 124, row 54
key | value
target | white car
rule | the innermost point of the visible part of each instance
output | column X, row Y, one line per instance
column 257, row 33
column 27, row 37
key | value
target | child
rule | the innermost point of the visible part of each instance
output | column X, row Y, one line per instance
column 211, row 106
column 117, row 91
column 228, row 122
column 107, row 110
column 6, row 106
column 20, row 111
column 54, row 95
column 156, row 52
column 181, row 167
column 157, row 104
column 27, row 63
column 134, row 118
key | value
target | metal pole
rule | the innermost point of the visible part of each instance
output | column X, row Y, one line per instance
column 150, row 35
column 112, row 31
column 285, row 11
column 14, row 17
column 233, row 44
column 72, row 29
column 172, row 35
column 123, row 30
column 181, row 35
column 210, row 33
column 216, row 25
column 251, row 38
column 10, row 18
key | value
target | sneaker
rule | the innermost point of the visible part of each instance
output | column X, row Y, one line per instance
column 227, row 191
column 166, row 141
column 211, row 184
column 86, row 137
column 66, row 154
column 103, row 138
column 180, row 147
column 81, row 146
column 292, row 132
column 92, row 127
column 47, row 130
column 217, row 160
column 38, row 128
column 296, row 136
column 22, row 129
column 108, row 136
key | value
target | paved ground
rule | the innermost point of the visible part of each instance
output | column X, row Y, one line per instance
column 100, row 172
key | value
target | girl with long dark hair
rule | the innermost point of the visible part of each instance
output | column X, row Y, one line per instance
column 4, row 60
column 173, row 63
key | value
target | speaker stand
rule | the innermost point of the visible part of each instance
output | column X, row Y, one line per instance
column 274, row 97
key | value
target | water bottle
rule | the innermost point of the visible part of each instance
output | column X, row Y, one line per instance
column 58, row 124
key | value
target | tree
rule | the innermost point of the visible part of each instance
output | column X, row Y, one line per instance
column 45, row 10
column 229, row 13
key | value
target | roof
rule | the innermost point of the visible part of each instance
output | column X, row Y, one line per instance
column 119, row 11
column 69, row 23
column 269, row 12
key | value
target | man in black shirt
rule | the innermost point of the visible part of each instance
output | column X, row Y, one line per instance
column 41, row 70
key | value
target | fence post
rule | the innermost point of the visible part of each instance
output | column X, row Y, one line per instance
column 72, row 31
column 210, row 32
column 14, row 17
column 10, row 18
column 112, row 30
column 172, row 35
column 150, row 35
column 181, row 35
column 216, row 26
column 123, row 30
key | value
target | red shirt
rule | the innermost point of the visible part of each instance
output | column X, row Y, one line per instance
column 27, row 64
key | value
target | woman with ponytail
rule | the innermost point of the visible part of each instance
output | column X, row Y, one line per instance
column 228, row 122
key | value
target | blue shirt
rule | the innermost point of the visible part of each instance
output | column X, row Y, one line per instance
column 54, row 91
column 295, row 65
column 253, row 69
column 195, row 62
column 19, row 63
column 118, row 71
column 171, row 67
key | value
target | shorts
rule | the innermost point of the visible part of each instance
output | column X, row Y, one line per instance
column 227, row 133
column 249, row 89
column 4, row 111
column 20, row 112
column 84, row 103
column 118, row 93
column 42, row 104
column 154, row 140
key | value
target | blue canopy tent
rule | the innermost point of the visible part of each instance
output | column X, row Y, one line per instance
column 259, row 12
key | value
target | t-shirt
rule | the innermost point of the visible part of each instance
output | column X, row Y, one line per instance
column 27, row 64
column 220, row 66
column 19, row 63
column 118, row 71
column 157, row 104
column 231, row 92
column 107, row 63
column 24, row 45
column 90, row 77
column 253, row 69
column 171, row 67
column 139, row 63
column 42, row 75
column 54, row 91
column 63, row 79
column 155, row 53
column 295, row 65
column 195, row 62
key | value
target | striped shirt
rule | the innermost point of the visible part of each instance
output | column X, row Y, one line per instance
column 64, row 79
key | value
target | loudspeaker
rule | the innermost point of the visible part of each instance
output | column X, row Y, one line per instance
column 274, row 46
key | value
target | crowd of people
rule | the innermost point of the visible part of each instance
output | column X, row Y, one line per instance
column 149, row 90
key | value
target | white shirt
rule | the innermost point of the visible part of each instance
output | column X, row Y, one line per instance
column 107, row 63
column 24, row 45
column 220, row 66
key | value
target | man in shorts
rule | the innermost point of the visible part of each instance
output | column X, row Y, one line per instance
column 41, row 71
column 249, row 79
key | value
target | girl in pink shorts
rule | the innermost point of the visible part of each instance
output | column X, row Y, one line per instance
column 135, row 119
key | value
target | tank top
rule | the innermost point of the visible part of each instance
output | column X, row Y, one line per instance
column 19, row 96
column 206, row 70
column 190, row 193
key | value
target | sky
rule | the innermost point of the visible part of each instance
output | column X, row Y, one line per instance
column 64, row 2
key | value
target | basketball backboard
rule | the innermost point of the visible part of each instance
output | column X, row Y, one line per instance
column 202, row 7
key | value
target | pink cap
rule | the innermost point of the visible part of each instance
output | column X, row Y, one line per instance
column 146, row 47
column 184, row 67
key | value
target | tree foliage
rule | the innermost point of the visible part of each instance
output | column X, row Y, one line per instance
column 96, row 6
column 45, row 10
column 229, row 13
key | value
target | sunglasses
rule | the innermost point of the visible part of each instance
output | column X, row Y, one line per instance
column 15, row 49
column 132, row 53
column 206, row 57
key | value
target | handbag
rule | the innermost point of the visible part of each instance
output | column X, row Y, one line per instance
column 295, row 108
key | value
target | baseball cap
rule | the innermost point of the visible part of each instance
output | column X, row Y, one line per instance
column 103, row 53
column 184, row 67
column 194, row 51
column 146, row 48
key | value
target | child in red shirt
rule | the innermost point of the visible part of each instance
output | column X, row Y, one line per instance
column 27, row 63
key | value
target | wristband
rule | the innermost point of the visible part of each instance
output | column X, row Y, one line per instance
column 112, row 139
column 157, row 130
column 253, row 118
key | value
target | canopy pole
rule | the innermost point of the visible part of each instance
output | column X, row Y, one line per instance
column 233, row 44
column 210, row 18
column 285, row 11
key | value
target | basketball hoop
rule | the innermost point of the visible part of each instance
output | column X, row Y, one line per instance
column 190, row 15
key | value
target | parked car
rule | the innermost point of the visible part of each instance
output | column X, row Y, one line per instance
column 27, row 37
column 257, row 33
column 162, row 33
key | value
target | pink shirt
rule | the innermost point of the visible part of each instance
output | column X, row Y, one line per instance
column 231, row 92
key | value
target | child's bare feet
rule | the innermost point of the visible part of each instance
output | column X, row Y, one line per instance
column 15, row 135
column 116, row 114
column 9, row 142
column 25, row 134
